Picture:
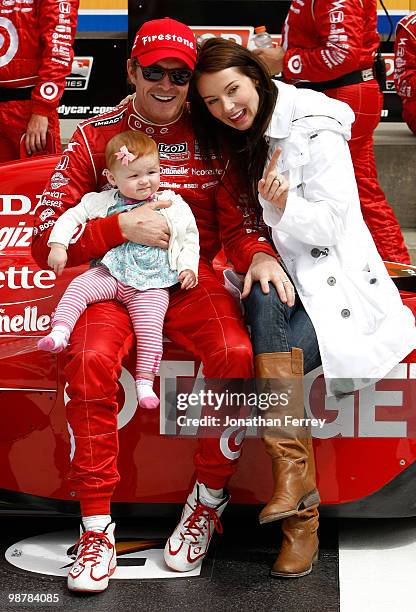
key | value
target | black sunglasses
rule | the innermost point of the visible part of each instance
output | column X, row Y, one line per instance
column 177, row 76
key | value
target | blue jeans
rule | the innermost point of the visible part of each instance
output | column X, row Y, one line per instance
column 276, row 328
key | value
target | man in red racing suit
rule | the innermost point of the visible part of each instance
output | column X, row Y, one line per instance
column 405, row 67
column 330, row 45
column 35, row 57
column 205, row 320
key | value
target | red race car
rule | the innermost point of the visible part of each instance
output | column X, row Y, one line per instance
column 365, row 451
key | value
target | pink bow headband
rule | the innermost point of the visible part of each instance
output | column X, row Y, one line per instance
column 125, row 156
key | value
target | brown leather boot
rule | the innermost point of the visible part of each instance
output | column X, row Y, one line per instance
column 290, row 447
column 300, row 543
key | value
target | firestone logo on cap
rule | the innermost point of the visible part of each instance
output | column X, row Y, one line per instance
column 162, row 39
column 180, row 39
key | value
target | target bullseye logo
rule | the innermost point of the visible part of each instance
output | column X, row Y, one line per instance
column 231, row 441
column 295, row 64
column 49, row 90
column 9, row 41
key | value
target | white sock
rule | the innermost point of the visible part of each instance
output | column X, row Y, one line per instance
column 145, row 394
column 97, row 522
column 56, row 340
column 218, row 493
column 210, row 497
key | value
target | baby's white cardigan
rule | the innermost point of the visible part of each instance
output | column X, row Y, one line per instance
column 183, row 250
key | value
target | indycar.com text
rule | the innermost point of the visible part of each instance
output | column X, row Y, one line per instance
column 64, row 110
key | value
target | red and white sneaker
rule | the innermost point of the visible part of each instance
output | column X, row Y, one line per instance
column 96, row 561
column 187, row 546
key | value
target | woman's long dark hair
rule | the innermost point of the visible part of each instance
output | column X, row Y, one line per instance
column 248, row 148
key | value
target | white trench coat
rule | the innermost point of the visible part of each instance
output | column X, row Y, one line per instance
column 362, row 326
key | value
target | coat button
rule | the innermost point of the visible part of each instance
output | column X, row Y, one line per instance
column 345, row 313
column 331, row 281
column 315, row 252
column 373, row 281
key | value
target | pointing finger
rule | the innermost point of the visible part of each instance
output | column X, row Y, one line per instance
column 272, row 163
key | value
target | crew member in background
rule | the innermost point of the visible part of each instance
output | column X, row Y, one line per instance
column 36, row 54
column 330, row 46
column 405, row 67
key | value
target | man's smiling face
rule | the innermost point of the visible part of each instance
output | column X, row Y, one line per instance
column 161, row 101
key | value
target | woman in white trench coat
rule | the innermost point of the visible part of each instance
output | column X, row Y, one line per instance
column 334, row 302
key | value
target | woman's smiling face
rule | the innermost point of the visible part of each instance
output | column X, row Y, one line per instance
column 230, row 96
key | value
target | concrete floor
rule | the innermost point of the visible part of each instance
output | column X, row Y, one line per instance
column 364, row 566
column 234, row 577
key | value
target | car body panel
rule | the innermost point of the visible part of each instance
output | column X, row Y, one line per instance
column 368, row 440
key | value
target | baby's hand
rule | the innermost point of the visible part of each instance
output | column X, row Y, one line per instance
column 57, row 258
column 187, row 279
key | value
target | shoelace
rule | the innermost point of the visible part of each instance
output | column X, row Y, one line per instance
column 194, row 529
column 90, row 545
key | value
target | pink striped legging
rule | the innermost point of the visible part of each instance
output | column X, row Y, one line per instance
column 147, row 311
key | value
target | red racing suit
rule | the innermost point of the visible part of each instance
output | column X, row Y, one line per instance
column 328, row 39
column 405, row 67
column 35, row 57
column 205, row 320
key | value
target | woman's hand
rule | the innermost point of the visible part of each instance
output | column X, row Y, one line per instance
column 126, row 100
column 187, row 279
column 273, row 187
column 265, row 269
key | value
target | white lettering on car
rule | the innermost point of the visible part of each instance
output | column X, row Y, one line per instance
column 15, row 205
column 25, row 278
column 18, row 237
column 29, row 321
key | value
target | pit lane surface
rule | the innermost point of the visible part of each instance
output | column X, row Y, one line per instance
column 364, row 565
